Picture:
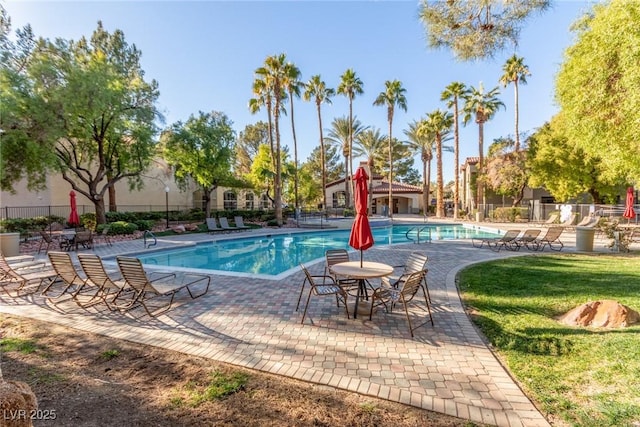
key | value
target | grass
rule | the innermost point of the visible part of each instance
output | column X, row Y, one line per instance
column 583, row 376
column 18, row 344
column 110, row 354
column 219, row 385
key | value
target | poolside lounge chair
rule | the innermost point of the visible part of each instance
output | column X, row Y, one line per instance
column 224, row 224
column 527, row 239
column 212, row 226
column 106, row 288
column 66, row 273
column 553, row 219
column 327, row 287
column 24, row 276
column 496, row 243
column 147, row 289
column 551, row 239
column 240, row 223
column 402, row 293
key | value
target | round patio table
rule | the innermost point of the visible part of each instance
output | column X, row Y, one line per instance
column 361, row 271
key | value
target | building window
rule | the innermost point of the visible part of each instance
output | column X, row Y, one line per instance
column 265, row 203
column 248, row 201
column 339, row 199
column 230, row 200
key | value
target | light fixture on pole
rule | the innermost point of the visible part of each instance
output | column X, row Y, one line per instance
column 166, row 202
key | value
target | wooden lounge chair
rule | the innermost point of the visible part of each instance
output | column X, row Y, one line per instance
column 147, row 288
column 553, row 219
column 527, row 239
column 240, row 223
column 403, row 292
column 24, row 276
column 66, row 273
column 224, row 224
column 327, row 287
column 212, row 226
column 496, row 243
column 551, row 239
column 106, row 287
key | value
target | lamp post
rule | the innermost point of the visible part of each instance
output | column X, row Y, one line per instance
column 166, row 202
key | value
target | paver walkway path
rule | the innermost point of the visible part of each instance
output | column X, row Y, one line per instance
column 253, row 323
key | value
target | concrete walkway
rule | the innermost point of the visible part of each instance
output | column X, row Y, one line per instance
column 253, row 323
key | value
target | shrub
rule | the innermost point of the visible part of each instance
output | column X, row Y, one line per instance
column 88, row 220
column 145, row 224
column 122, row 227
column 510, row 214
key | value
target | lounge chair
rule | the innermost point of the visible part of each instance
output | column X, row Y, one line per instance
column 24, row 276
column 553, row 219
column 496, row 243
column 551, row 239
column 212, row 226
column 146, row 289
column 106, row 287
column 224, row 224
column 327, row 287
column 240, row 223
column 402, row 292
column 66, row 273
column 527, row 239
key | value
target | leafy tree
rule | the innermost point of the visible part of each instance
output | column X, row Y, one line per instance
column 476, row 29
column 332, row 163
column 247, row 145
column 369, row 144
column 452, row 94
column 350, row 86
column 94, row 111
column 516, row 72
column 293, row 86
column 201, row 150
column 507, row 173
column 481, row 106
column 598, row 89
column 563, row 168
column 402, row 160
column 264, row 98
column 339, row 136
column 317, row 90
column 262, row 175
column 438, row 125
column 422, row 143
column 394, row 94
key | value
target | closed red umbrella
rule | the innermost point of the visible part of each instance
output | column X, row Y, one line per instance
column 629, row 213
column 361, row 237
column 74, row 219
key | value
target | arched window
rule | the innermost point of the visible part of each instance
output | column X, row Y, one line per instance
column 230, row 200
column 339, row 199
column 248, row 201
column 265, row 203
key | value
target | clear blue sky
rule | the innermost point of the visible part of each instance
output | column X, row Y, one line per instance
column 204, row 53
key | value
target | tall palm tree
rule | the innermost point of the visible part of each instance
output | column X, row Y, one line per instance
column 293, row 85
column 394, row 94
column 369, row 144
column 350, row 86
column 438, row 124
column 482, row 106
column 263, row 99
column 317, row 89
column 422, row 141
column 339, row 136
column 273, row 74
column 452, row 93
column 515, row 71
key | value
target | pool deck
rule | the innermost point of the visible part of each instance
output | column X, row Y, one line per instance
column 253, row 323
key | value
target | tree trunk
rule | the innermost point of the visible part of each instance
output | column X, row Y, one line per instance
column 349, row 166
column 439, row 180
column 206, row 195
column 295, row 153
column 480, row 172
column 322, row 161
column 101, row 218
column 278, row 177
column 390, row 168
column 515, row 90
column 425, row 187
column 456, row 159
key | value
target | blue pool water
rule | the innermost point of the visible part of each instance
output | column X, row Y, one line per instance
column 273, row 255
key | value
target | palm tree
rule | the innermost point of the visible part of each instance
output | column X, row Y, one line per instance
column 349, row 86
column 438, row 124
column 515, row 71
column 393, row 95
column 338, row 136
column 263, row 99
column 273, row 75
column 293, row 85
column 369, row 144
column 482, row 106
column 318, row 90
column 452, row 93
column 421, row 141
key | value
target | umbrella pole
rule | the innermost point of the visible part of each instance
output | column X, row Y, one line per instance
column 360, row 258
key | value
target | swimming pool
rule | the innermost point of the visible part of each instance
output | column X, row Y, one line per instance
column 271, row 256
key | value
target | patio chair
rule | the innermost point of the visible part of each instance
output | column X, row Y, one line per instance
column 529, row 239
column 336, row 256
column 551, row 239
column 147, row 288
column 46, row 239
column 212, row 226
column 403, row 292
column 240, row 223
column 496, row 243
column 107, row 288
column 104, row 235
column 66, row 273
column 415, row 262
column 328, row 287
column 24, row 276
column 83, row 238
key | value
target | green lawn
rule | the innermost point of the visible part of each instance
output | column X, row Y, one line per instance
column 585, row 377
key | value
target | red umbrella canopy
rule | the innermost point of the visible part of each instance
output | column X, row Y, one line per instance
column 73, row 216
column 628, row 211
column 361, row 237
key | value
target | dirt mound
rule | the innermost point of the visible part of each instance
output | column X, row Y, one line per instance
column 601, row 314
